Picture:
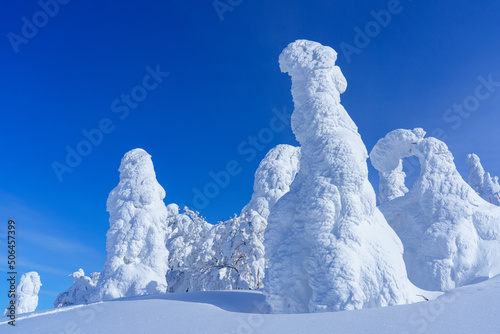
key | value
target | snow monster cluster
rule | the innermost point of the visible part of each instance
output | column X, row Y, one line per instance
column 312, row 238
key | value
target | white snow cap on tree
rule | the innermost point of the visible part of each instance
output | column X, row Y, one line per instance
column 329, row 248
column 27, row 292
column 482, row 182
column 80, row 292
column 450, row 235
column 137, row 257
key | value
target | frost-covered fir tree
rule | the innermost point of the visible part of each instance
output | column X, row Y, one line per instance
column 27, row 293
column 229, row 255
column 80, row 292
column 482, row 182
column 328, row 246
column 189, row 241
column 450, row 235
column 273, row 178
column 137, row 258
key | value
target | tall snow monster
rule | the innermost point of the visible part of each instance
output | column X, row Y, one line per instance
column 451, row 236
column 137, row 258
column 328, row 246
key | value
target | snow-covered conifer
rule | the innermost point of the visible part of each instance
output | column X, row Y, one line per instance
column 137, row 257
column 27, row 293
column 482, row 182
column 328, row 246
column 450, row 235
column 80, row 292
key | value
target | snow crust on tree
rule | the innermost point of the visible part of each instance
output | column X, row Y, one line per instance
column 482, row 182
column 137, row 258
column 229, row 255
column 80, row 292
column 328, row 246
column 392, row 184
column 27, row 293
column 451, row 236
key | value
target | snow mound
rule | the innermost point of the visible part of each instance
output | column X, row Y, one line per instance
column 137, row 258
column 451, row 236
column 328, row 246
column 81, row 290
column 27, row 293
column 482, row 182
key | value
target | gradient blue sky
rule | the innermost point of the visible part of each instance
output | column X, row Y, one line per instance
column 223, row 84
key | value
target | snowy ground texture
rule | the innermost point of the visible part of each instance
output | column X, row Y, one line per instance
column 469, row 309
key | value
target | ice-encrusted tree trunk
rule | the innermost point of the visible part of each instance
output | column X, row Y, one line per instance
column 450, row 235
column 482, row 182
column 27, row 293
column 329, row 248
column 137, row 258
column 80, row 291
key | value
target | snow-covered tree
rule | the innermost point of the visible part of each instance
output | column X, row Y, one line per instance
column 137, row 258
column 450, row 235
column 482, row 182
column 80, row 292
column 392, row 184
column 27, row 293
column 229, row 255
column 189, row 241
column 328, row 246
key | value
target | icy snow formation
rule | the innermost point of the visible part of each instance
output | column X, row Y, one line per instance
column 328, row 246
column 80, row 292
column 450, row 235
column 27, row 293
column 392, row 184
column 482, row 182
column 137, row 257
column 229, row 255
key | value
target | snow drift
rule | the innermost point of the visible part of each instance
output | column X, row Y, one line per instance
column 329, row 248
column 137, row 257
column 451, row 236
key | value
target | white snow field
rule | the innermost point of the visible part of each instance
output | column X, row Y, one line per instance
column 470, row 309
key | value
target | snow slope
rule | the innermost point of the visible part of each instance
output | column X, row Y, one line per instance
column 469, row 309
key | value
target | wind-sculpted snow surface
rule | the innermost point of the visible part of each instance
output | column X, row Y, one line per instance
column 229, row 255
column 27, row 293
column 137, row 257
column 328, row 246
column 482, row 182
column 450, row 235
column 80, row 292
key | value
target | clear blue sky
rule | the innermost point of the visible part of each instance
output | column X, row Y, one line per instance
column 223, row 84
